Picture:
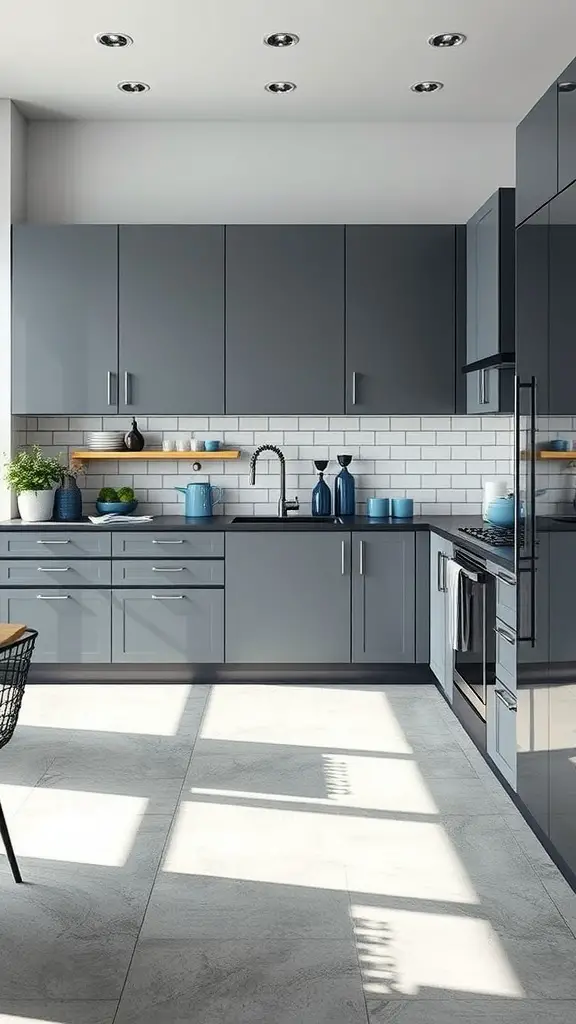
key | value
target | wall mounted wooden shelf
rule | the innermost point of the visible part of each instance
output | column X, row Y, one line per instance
column 151, row 454
column 570, row 456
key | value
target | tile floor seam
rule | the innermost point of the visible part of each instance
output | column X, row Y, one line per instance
column 162, row 852
column 356, row 951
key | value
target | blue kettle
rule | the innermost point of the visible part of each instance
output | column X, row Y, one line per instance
column 199, row 500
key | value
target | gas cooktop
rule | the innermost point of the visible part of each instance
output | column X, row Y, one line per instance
column 496, row 536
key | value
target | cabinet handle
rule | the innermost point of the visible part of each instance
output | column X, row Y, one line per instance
column 354, row 382
column 507, row 700
column 110, row 376
column 126, row 388
column 159, row 568
column 506, row 636
column 167, row 597
column 52, row 597
column 361, row 557
column 439, row 575
column 53, row 541
column 167, row 541
column 42, row 568
column 343, row 564
column 483, row 396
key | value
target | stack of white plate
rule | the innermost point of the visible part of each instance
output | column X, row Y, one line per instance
column 105, row 440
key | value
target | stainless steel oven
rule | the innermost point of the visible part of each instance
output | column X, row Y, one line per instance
column 475, row 663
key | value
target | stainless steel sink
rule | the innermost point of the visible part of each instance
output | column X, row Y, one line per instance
column 300, row 520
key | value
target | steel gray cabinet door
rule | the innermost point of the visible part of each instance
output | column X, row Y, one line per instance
column 285, row 319
column 384, row 597
column 567, row 127
column 64, row 319
column 171, row 319
column 400, row 319
column 440, row 648
column 537, row 155
column 73, row 625
column 164, row 626
column 287, row 597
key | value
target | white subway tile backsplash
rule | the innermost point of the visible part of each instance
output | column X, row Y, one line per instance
column 440, row 462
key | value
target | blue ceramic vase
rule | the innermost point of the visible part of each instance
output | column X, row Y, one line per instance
column 68, row 501
column 344, row 489
column 321, row 496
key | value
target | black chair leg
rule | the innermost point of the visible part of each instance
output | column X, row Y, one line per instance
column 9, row 848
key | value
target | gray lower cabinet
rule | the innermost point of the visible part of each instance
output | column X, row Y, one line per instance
column 285, row 319
column 171, row 318
column 73, row 625
column 440, row 648
column 64, row 319
column 167, row 626
column 288, row 597
column 400, row 319
column 384, row 597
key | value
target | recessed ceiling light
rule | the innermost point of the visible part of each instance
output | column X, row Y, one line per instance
column 566, row 86
column 114, row 39
column 427, row 86
column 133, row 86
column 447, row 39
column 281, row 39
column 280, row 87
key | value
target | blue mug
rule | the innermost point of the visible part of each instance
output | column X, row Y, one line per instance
column 378, row 508
column 558, row 445
column 211, row 446
column 402, row 508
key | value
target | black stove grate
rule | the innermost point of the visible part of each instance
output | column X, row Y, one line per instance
column 496, row 536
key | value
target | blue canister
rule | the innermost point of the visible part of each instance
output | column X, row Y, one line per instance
column 321, row 496
column 199, row 500
column 344, row 489
column 402, row 508
column 378, row 508
column 500, row 511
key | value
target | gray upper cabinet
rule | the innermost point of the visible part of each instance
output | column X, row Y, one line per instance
column 537, row 155
column 171, row 319
column 285, row 319
column 384, row 597
column 401, row 319
column 567, row 126
column 287, row 597
column 64, row 319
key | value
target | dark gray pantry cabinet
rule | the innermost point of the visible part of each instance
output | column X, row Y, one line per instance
column 271, row 319
column 321, row 597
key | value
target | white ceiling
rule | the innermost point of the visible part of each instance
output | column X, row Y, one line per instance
column 204, row 59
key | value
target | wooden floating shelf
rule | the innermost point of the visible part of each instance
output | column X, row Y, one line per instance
column 150, row 455
column 570, row 456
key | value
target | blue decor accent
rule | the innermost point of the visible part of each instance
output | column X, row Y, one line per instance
column 120, row 508
column 378, row 508
column 68, row 503
column 199, row 499
column 321, row 496
column 500, row 511
column 402, row 508
column 344, row 489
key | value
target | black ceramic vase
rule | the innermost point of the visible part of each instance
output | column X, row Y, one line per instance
column 134, row 440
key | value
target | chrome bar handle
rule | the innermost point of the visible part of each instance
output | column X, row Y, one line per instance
column 439, row 573
column 167, row 597
column 158, row 568
column 505, row 636
column 52, row 597
column 354, row 385
column 126, row 388
column 53, row 541
column 361, row 557
column 480, row 388
column 42, row 568
column 343, row 562
column 507, row 700
column 110, row 375
column 167, row 541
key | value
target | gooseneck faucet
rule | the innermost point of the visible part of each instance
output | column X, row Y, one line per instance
column 283, row 506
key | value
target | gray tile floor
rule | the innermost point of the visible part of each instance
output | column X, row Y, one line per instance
column 270, row 855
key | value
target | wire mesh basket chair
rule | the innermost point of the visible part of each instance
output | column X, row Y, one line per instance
column 15, row 661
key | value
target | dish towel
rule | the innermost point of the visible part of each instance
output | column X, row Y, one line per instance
column 459, row 607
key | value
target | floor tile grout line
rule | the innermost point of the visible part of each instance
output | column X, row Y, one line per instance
column 162, row 852
column 355, row 945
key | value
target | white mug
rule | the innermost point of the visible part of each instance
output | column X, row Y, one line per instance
column 168, row 445
column 183, row 445
column 196, row 445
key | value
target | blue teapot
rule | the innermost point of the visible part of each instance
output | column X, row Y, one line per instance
column 500, row 511
column 199, row 500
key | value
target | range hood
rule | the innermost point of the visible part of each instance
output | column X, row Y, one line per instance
column 500, row 361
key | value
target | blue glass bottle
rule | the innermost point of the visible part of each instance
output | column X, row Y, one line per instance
column 344, row 489
column 321, row 496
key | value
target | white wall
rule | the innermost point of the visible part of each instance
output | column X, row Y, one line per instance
column 264, row 172
column 12, row 208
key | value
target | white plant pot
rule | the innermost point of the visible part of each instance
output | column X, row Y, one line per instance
column 36, row 506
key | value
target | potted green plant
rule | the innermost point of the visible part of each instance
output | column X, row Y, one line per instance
column 34, row 477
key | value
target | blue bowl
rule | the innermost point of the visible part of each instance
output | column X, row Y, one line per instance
column 558, row 445
column 118, row 507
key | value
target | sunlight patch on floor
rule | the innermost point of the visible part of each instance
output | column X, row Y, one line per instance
column 404, row 952
column 142, row 710
column 77, row 826
column 288, row 847
column 304, row 716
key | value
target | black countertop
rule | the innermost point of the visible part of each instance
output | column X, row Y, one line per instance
column 446, row 526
